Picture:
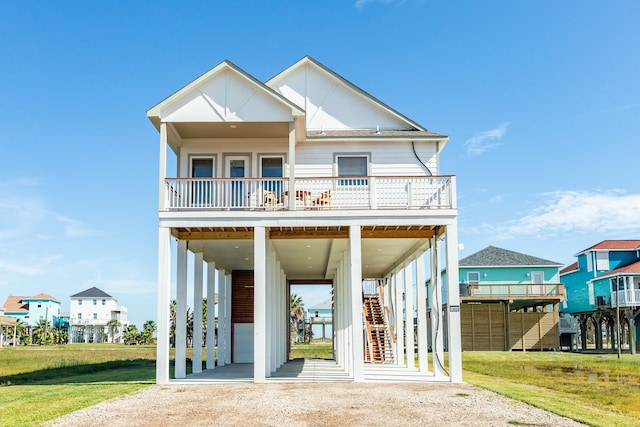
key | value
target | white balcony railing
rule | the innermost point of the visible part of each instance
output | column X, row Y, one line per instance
column 323, row 193
column 517, row 290
column 625, row 298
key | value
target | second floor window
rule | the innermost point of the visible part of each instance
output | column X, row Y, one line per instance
column 79, row 302
column 473, row 277
column 104, row 302
column 95, row 302
column 353, row 165
column 95, row 316
column 79, row 316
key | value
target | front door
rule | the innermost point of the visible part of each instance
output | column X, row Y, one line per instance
column 238, row 167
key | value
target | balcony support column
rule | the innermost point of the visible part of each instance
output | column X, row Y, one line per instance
column 222, row 318
column 198, row 277
column 227, row 311
column 162, row 188
column 259, row 304
column 398, row 311
column 181, row 312
column 435, row 304
column 211, row 314
column 164, row 279
column 453, row 304
column 422, row 314
column 408, row 286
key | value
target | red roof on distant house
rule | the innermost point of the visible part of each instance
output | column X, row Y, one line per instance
column 633, row 268
column 41, row 297
column 610, row 245
column 569, row 268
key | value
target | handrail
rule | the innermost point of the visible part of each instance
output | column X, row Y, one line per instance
column 517, row 290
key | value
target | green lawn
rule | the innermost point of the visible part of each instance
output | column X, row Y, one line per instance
column 597, row 389
column 42, row 383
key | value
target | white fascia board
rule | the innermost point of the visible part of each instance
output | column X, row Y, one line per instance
column 307, row 60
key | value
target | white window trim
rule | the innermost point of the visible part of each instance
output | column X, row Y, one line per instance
column 537, row 273
column 200, row 157
column 473, row 282
column 273, row 156
column 338, row 155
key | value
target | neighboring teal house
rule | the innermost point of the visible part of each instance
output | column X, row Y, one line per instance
column 320, row 318
column 604, row 285
column 31, row 310
column 509, row 301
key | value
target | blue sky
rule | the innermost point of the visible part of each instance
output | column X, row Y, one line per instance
column 541, row 100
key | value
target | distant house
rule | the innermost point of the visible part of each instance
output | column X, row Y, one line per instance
column 509, row 301
column 33, row 309
column 6, row 323
column 92, row 316
column 320, row 318
column 604, row 285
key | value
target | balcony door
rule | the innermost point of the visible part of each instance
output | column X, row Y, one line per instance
column 238, row 167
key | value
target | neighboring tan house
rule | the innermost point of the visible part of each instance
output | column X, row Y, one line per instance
column 604, row 285
column 95, row 317
column 304, row 178
column 509, row 301
column 33, row 309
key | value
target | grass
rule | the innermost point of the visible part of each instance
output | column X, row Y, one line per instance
column 38, row 384
column 41, row 383
column 596, row 389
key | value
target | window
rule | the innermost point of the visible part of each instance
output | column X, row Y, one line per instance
column 355, row 165
column 104, row 302
column 95, row 302
column 95, row 316
column 473, row 277
column 39, row 305
column 201, row 191
column 79, row 302
column 602, row 261
column 79, row 316
column 272, row 167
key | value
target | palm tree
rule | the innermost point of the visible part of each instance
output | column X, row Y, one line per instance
column 172, row 327
column 146, row 336
column 131, row 335
column 113, row 325
column 296, row 314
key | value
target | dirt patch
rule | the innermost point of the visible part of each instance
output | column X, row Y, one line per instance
column 312, row 404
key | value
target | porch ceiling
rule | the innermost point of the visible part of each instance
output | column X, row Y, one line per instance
column 231, row 129
column 307, row 253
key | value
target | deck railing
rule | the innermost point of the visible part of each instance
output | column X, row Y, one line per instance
column 517, row 290
column 323, row 193
column 625, row 298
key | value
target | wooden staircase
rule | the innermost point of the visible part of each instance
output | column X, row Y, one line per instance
column 378, row 347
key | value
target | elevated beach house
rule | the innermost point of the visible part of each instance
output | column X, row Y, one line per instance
column 96, row 316
column 304, row 178
column 603, row 292
column 510, row 301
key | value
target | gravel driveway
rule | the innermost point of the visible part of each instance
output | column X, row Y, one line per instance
column 312, row 404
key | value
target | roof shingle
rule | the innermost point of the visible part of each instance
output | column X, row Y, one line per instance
column 492, row 256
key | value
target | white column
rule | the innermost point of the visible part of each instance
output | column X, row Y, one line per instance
column 408, row 286
column 227, row 310
column 291, row 158
column 164, row 295
column 338, row 315
column 421, row 303
column 222, row 317
column 259, row 304
column 181, row 312
column 268, row 325
column 355, row 279
column 348, row 313
column 453, row 305
column 435, row 304
column 398, row 310
column 211, row 314
column 198, row 277
column 162, row 188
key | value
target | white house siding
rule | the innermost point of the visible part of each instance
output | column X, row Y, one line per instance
column 387, row 158
column 331, row 104
column 226, row 97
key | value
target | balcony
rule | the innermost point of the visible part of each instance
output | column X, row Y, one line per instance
column 625, row 298
column 517, row 291
column 325, row 193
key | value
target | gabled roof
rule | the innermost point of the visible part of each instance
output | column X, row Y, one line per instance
column 323, row 305
column 92, row 293
column 155, row 112
column 613, row 245
column 416, row 129
column 569, row 268
column 40, row 297
column 631, row 269
column 14, row 304
column 492, row 256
